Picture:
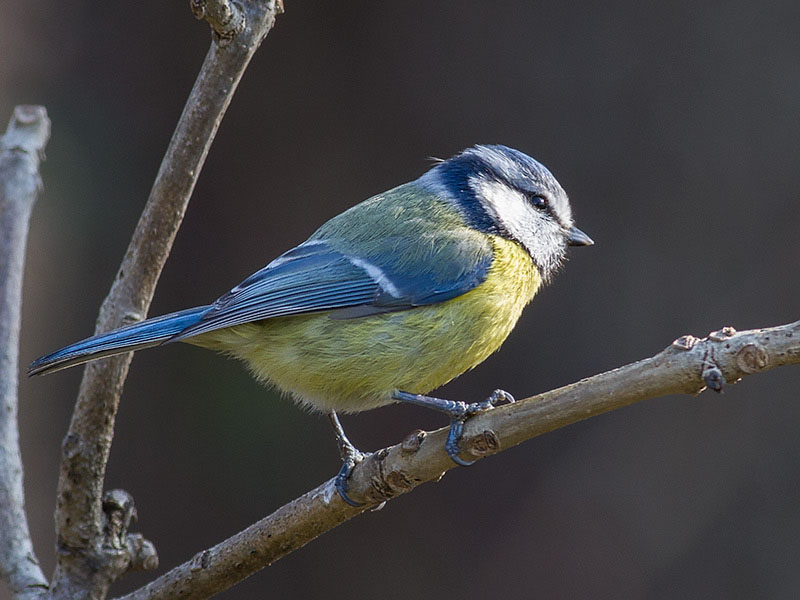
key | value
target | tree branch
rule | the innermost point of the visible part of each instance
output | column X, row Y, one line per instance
column 84, row 559
column 688, row 366
column 21, row 149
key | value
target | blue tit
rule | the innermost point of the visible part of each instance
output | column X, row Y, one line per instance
column 388, row 300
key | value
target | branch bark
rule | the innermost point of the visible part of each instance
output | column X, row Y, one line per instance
column 688, row 366
column 86, row 557
column 21, row 149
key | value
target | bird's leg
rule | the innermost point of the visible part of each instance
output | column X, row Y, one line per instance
column 351, row 456
column 458, row 412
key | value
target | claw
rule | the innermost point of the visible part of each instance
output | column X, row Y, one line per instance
column 451, row 445
column 350, row 455
column 458, row 412
column 341, row 483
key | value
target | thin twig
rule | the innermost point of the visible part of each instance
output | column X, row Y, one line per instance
column 82, row 554
column 21, row 149
column 688, row 366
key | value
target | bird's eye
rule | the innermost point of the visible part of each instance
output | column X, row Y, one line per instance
column 539, row 202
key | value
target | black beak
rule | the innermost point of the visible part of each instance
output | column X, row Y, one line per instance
column 575, row 237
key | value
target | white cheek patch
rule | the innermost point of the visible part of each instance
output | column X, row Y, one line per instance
column 507, row 206
column 377, row 274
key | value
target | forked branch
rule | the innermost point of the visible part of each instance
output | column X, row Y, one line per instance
column 85, row 565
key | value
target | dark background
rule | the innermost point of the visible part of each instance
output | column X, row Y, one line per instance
column 674, row 128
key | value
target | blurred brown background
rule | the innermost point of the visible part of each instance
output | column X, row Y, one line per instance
column 674, row 129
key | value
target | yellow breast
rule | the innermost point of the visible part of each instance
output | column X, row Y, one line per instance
column 353, row 365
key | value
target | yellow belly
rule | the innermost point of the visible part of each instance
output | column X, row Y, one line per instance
column 356, row 364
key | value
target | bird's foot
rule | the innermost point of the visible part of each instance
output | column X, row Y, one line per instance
column 350, row 455
column 341, row 482
column 458, row 412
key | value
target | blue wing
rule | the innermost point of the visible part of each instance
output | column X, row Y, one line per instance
column 354, row 265
column 326, row 275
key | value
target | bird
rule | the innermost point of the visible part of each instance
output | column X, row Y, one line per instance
column 388, row 300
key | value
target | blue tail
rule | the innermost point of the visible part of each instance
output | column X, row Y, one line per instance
column 151, row 332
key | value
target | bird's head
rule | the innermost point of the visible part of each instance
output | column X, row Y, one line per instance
column 505, row 192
